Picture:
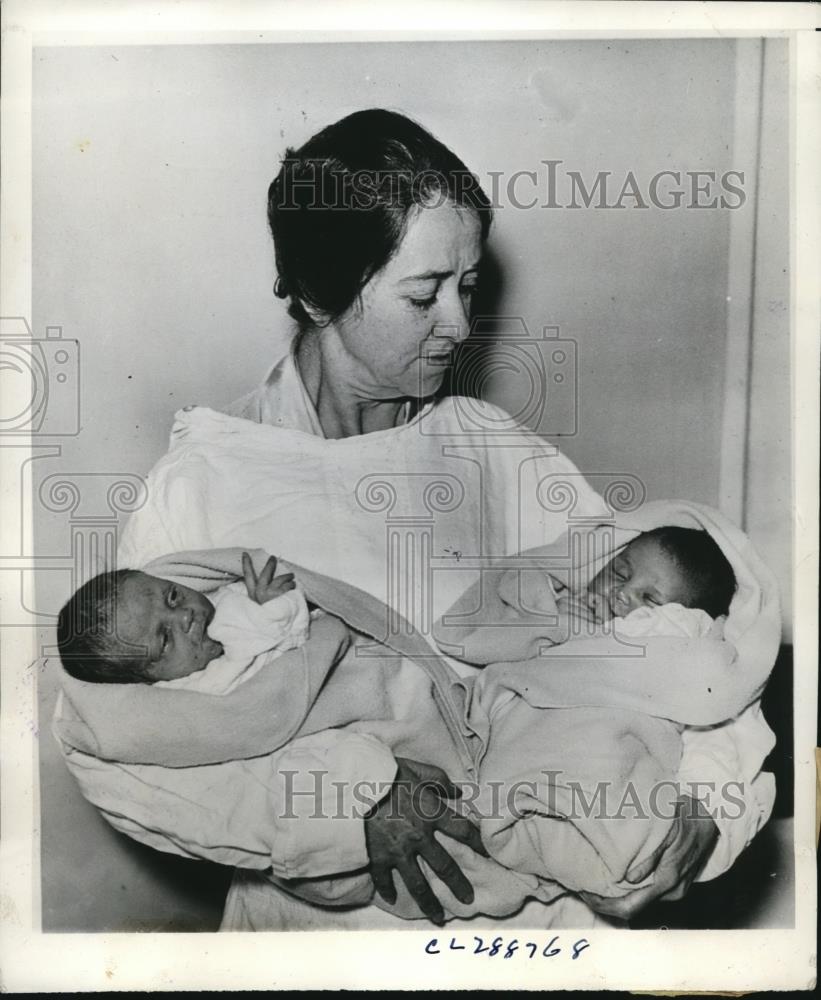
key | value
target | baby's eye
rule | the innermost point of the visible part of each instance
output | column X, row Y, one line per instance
column 173, row 596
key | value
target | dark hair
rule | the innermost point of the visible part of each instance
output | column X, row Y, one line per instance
column 90, row 649
column 338, row 208
column 707, row 570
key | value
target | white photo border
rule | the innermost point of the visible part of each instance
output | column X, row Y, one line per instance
column 694, row 961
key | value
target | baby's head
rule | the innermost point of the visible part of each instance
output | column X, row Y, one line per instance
column 664, row 566
column 127, row 627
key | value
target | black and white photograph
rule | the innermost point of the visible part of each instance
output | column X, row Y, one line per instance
column 409, row 441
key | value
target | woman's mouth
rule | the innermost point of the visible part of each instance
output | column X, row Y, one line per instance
column 440, row 354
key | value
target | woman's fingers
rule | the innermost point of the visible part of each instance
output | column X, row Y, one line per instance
column 383, row 883
column 418, row 887
column 622, row 907
column 432, row 777
column 402, row 828
column 678, row 892
column 452, row 824
column 448, row 871
column 639, row 872
column 668, row 879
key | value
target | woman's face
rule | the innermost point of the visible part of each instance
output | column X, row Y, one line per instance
column 401, row 334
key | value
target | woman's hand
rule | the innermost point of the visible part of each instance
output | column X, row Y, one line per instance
column 676, row 863
column 266, row 586
column 400, row 830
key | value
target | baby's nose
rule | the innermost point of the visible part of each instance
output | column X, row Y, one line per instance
column 629, row 598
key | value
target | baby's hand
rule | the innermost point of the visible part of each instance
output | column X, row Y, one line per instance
column 266, row 586
column 574, row 616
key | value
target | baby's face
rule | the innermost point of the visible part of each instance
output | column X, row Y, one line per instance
column 641, row 575
column 170, row 622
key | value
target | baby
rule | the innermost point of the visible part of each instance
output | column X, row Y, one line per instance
column 128, row 627
column 665, row 581
column 669, row 581
column 404, row 704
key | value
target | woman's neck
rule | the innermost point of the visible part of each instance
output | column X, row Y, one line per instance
column 337, row 386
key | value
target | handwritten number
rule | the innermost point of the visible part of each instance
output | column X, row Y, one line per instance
column 547, row 950
column 512, row 948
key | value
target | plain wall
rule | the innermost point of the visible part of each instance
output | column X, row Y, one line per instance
column 151, row 168
column 151, row 245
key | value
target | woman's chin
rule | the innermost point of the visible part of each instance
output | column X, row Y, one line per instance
column 429, row 382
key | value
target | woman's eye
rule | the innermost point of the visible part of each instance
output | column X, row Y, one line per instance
column 423, row 303
column 652, row 600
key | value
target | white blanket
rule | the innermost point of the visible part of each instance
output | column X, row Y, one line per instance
column 403, row 514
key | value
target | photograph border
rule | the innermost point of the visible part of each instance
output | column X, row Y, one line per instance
column 31, row 960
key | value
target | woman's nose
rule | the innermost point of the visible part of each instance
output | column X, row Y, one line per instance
column 453, row 315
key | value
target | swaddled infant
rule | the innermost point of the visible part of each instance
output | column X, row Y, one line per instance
column 129, row 627
column 668, row 581
column 523, row 737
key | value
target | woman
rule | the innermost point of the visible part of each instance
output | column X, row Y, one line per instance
column 378, row 232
